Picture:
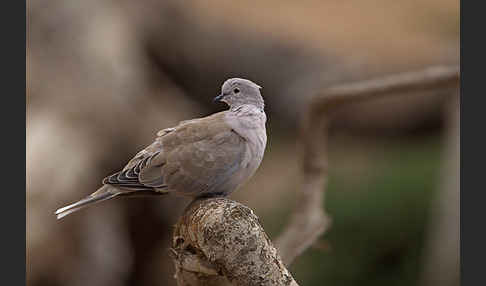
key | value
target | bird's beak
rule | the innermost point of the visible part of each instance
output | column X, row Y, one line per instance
column 218, row 98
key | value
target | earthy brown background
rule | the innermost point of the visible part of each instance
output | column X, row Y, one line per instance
column 105, row 76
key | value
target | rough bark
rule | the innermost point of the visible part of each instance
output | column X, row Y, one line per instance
column 218, row 241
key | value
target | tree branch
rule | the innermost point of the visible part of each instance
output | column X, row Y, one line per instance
column 309, row 221
column 219, row 242
column 442, row 250
column 432, row 78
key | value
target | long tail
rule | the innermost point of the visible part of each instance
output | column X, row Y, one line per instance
column 102, row 194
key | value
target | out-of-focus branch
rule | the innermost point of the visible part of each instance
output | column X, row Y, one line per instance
column 442, row 253
column 432, row 78
column 218, row 241
column 309, row 220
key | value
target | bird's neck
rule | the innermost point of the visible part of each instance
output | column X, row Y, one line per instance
column 247, row 108
column 248, row 116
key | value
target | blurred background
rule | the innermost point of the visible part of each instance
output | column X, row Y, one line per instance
column 104, row 76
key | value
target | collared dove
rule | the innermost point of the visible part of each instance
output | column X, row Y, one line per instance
column 209, row 156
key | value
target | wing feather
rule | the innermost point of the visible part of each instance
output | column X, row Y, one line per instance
column 196, row 156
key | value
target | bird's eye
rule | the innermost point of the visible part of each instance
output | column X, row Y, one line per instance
column 236, row 90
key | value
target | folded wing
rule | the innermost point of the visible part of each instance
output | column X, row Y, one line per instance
column 196, row 157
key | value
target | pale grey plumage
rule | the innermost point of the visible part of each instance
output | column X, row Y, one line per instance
column 208, row 156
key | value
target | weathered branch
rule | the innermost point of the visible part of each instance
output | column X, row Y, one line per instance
column 309, row 221
column 221, row 242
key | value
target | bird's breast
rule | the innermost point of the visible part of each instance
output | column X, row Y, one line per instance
column 251, row 127
column 256, row 141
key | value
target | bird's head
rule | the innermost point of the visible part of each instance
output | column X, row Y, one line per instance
column 238, row 91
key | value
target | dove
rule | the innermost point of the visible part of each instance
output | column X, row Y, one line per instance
column 202, row 157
